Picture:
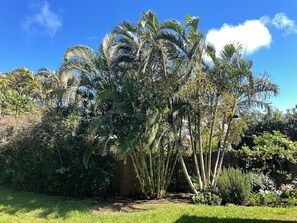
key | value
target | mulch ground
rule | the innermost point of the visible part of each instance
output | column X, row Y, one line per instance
column 133, row 205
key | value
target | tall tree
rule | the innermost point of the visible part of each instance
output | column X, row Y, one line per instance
column 134, row 122
column 217, row 95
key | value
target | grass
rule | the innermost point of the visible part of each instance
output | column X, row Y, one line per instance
column 16, row 206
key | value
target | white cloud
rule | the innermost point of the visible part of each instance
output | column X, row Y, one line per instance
column 43, row 21
column 281, row 21
column 252, row 35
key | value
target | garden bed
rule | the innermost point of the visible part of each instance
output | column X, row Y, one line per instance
column 133, row 205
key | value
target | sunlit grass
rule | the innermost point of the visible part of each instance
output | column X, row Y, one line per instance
column 18, row 206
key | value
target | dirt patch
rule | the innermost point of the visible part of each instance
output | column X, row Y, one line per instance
column 130, row 205
column 120, row 206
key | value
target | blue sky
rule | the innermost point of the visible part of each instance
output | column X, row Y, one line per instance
column 36, row 33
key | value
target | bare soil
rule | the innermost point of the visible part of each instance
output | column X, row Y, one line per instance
column 131, row 205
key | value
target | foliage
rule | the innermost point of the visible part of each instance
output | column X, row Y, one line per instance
column 58, row 89
column 52, row 162
column 18, row 92
column 272, row 120
column 234, row 186
column 271, row 154
column 286, row 196
column 10, row 126
column 262, row 182
column 289, row 195
column 267, row 198
column 208, row 198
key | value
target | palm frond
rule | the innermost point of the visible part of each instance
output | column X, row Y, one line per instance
column 80, row 52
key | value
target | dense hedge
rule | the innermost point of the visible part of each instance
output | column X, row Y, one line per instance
column 46, row 156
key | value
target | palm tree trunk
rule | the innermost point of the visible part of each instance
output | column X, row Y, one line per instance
column 141, row 181
column 194, row 153
column 200, row 150
column 210, row 140
column 186, row 173
column 171, row 171
column 224, row 147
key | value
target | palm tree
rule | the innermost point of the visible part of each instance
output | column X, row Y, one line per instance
column 185, row 47
column 244, row 91
column 227, row 88
column 134, row 121
column 57, row 89
column 91, row 70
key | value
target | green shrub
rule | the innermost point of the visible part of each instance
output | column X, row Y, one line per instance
column 234, row 186
column 267, row 198
column 47, row 158
column 254, row 199
column 271, row 154
column 292, row 201
column 289, row 195
column 261, row 182
column 208, row 198
column 288, row 190
column 286, row 196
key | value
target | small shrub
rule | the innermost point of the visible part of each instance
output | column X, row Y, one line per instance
column 234, row 186
column 287, row 188
column 261, row 182
column 208, row 198
column 289, row 194
column 292, row 201
column 269, row 198
column 254, row 199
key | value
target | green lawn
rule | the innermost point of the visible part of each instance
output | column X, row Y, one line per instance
column 18, row 206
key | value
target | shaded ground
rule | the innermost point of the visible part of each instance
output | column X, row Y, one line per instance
column 130, row 205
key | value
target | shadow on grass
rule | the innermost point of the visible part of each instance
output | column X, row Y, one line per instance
column 15, row 202
column 194, row 219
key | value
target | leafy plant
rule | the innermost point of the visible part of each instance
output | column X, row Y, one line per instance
column 286, row 196
column 271, row 198
column 261, row 181
column 271, row 154
column 208, row 198
column 234, row 186
column 289, row 194
column 46, row 157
